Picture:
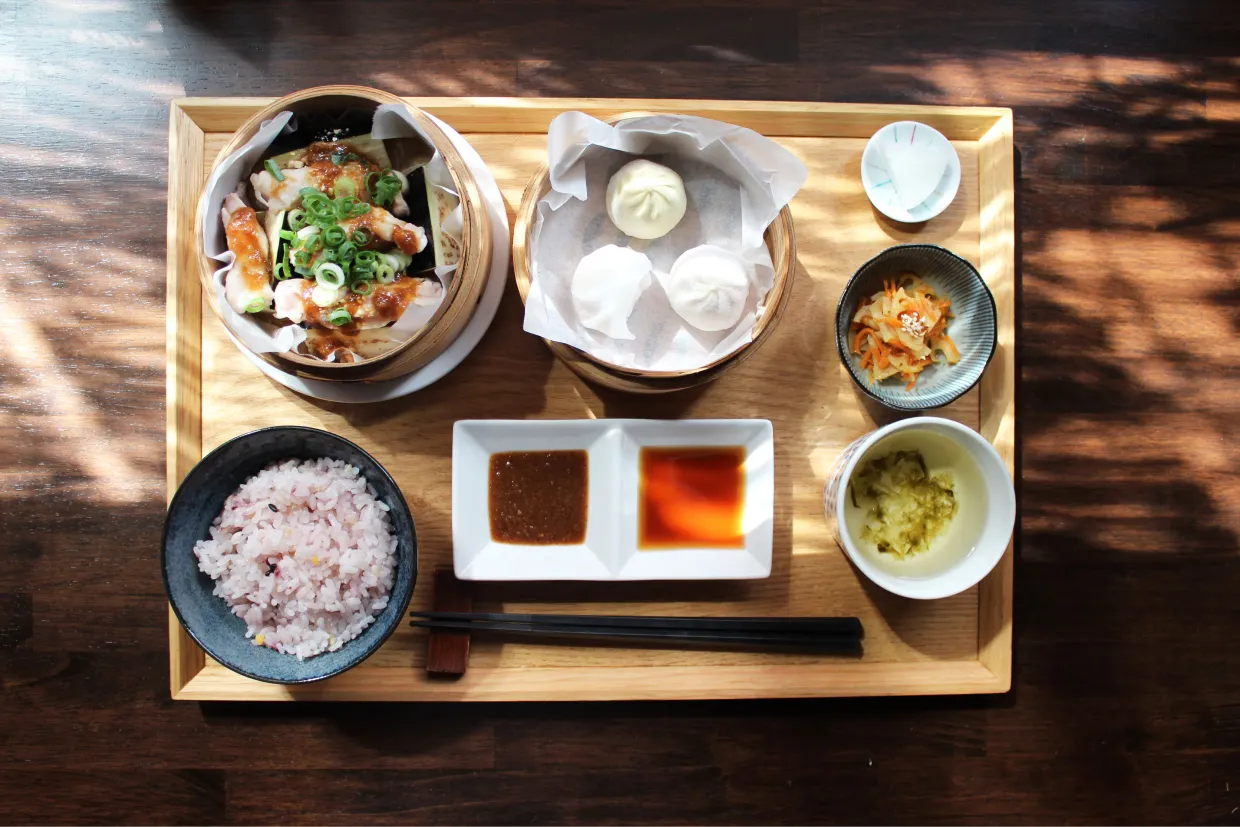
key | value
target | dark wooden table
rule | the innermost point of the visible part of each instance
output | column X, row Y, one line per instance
column 1126, row 706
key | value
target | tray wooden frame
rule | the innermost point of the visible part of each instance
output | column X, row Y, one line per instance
column 194, row 677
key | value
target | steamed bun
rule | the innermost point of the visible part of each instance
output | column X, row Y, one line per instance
column 708, row 287
column 645, row 199
column 606, row 287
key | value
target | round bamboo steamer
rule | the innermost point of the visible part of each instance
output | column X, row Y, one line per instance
column 780, row 240
column 468, row 281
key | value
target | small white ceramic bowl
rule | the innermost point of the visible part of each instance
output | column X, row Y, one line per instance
column 877, row 180
column 989, row 542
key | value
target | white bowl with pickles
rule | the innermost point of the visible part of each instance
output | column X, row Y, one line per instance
column 924, row 507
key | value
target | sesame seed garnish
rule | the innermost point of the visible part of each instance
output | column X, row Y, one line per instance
column 914, row 325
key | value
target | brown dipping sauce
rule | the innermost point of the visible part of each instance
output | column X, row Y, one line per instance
column 692, row 498
column 539, row 497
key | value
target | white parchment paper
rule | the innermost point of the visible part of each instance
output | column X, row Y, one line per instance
column 736, row 180
column 261, row 335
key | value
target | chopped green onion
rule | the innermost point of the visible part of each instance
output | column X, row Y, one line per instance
column 288, row 235
column 338, row 155
column 344, row 187
column 324, row 296
column 386, row 188
column 368, row 256
column 316, row 204
column 271, row 167
column 370, row 179
column 297, row 219
column 346, row 251
column 344, row 206
column 282, row 270
column 328, row 273
column 362, row 288
column 333, row 236
column 361, row 237
column 384, row 273
column 256, row 306
column 398, row 260
column 339, row 316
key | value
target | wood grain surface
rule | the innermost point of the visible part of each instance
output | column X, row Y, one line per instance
column 1124, row 707
column 911, row 647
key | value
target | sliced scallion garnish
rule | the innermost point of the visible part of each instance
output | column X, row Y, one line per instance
column 329, row 273
column 346, row 251
column 339, row 316
column 271, row 167
column 334, row 236
column 362, row 288
column 344, row 187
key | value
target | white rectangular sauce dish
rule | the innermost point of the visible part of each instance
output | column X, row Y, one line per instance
column 610, row 550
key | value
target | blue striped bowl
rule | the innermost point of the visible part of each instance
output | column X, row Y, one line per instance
column 974, row 329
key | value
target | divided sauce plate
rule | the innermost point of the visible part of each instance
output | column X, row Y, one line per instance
column 611, row 549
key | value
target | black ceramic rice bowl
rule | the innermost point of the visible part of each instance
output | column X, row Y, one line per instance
column 200, row 499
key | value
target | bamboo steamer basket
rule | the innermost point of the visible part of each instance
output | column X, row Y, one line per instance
column 780, row 240
column 461, row 298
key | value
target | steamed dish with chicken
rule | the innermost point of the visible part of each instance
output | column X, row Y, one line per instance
column 334, row 248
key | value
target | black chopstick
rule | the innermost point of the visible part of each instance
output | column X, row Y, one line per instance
column 802, row 642
column 839, row 626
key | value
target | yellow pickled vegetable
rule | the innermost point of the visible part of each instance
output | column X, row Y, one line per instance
column 906, row 507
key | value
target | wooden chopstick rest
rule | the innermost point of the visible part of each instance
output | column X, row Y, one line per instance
column 447, row 651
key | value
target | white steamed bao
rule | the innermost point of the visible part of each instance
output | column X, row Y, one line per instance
column 606, row 286
column 708, row 287
column 646, row 200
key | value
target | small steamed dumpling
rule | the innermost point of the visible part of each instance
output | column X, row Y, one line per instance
column 645, row 199
column 708, row 287
column 606, row 287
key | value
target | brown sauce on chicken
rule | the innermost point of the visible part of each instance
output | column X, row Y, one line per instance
column 326, row 173
column 244, row 240
column 385, row 304
column 407, row 241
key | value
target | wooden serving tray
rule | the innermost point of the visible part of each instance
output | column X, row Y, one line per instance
column 958, row 645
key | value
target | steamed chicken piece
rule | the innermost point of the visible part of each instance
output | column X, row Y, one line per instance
column 410, row 238
column 324, row 177
column 282, row 195
column 317, row 170
column 247, row 286
column 385, row 305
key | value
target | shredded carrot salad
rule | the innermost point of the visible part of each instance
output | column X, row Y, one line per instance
column 899, row 331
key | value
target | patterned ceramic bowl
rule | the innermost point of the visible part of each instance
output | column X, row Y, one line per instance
column 974, row 328
column 199, row 501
